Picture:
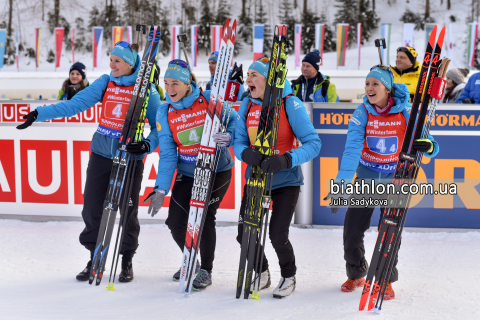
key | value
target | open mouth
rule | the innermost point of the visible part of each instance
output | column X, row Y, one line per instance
column 252, row 89
column 372, row 94
column 173, row 95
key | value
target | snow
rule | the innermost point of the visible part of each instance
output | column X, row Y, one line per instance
column 40, row 260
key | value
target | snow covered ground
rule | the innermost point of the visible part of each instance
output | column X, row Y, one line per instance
column 438, row 273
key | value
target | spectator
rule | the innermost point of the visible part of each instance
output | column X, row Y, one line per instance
column 77, row 81
column 212, row 65
column 407, row 69
column 455, row 84
column 312, row 85
column 471, row 92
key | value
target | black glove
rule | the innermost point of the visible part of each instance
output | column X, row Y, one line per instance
column 252, row 157
column 237, row 73
column 277, row 163
column 31, row 117
column 138, row 148
column 333, row 209
column 71, row 91
column 423, row 145
column 468, row 101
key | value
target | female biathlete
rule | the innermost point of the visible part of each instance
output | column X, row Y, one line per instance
column 180, row 127
column 294, row 124
column 112, row 90
column 374, row 139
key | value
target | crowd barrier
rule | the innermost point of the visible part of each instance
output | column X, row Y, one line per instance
column 42, row 168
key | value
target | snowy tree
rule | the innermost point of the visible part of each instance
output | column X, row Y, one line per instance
column 165, row 35
column 329, row 44
column 222, row 12
column 206, row 20
column 261, row 18
column 286, row 17
column 245, row 26
column 368, row 18
column 348, row 13
column 308, row 30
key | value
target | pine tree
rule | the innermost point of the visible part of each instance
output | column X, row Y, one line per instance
column 329, row 44
column 348, row 13
column 287, row 18
column 263, row 19
column 308, row 31
column 206, row 20
column 245, row 27
column 222, row 13
column 165, row 33
column 368, row 18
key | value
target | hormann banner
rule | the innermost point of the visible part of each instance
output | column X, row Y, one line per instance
column 448, row 194
column 43, row 168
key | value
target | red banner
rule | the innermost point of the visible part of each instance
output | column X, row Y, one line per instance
column 59, row 32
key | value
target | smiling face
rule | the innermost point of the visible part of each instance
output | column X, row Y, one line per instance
column 75, row 77
column 308, row 71
column 119, row 67
column 176, row 89
column 256, row 83
column 402, row 62
column 450, row 83
column 376, row 92
column 211, row 66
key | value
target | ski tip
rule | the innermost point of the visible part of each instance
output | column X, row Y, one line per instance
column 433, row 36
column 441, row 37
column 233, row 32
column 225, row 30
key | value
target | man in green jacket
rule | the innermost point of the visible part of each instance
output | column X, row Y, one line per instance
column 312, row 85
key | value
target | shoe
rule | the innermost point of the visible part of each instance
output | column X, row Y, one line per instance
column 389, row 293
column 350, row 285
column 176, row 276
column 127, row 269
column 265, row 281
column 85, row 274
column 284, row 288
column 202, row 280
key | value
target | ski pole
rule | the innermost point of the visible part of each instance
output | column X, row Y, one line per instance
column 182, row 38
column 380, row 43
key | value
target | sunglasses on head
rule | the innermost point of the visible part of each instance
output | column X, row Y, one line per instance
column 122, row 44
column 383, row 67
column 180, row 63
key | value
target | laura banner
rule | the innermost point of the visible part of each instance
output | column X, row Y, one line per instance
column 97, row 46
column 319, row 39
column 359, row 41
column 59, row 33
column 194, row 44
column 3, row 42
column 472, row 43
column 176, row 47
column 298, row 44
column 216, row 37
column 117, row 33
column 38, row 33
column 342, row 40
column 408, row 34
column 385, row 33
column 258, row 34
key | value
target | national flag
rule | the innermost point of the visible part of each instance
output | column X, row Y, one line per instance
column 129, row 34
column 472, row 43
column 194, row 42
column 3, row 39
column 59, row 32
column 408, row 34
column 216, row 37
column 117, row 33
column 258, row 33
column 38, row 33
column 359, row 41
column 319, row 39
column 97, row 46
column 176, row 49
column 298, row 44
column 385, row 32
column 342, row 40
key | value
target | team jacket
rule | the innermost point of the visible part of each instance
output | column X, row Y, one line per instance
column 331, row 95
column 472, row 89
column 103, row 145
column 184, row 118
column 408, row 77
column 353, row 159
column 302, row 128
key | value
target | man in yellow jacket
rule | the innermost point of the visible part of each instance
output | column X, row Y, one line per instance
column 407, row 69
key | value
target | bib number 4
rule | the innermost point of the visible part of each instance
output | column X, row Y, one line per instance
column 383, row 146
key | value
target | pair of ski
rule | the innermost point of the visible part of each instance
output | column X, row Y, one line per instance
column 209, row 155
column 430, row 85
column 259, row 184
column 124, row 164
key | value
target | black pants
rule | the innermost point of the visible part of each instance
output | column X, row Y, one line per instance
column 98, row 176
column 357, row 221
column 178, row 213
column 284, row 202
